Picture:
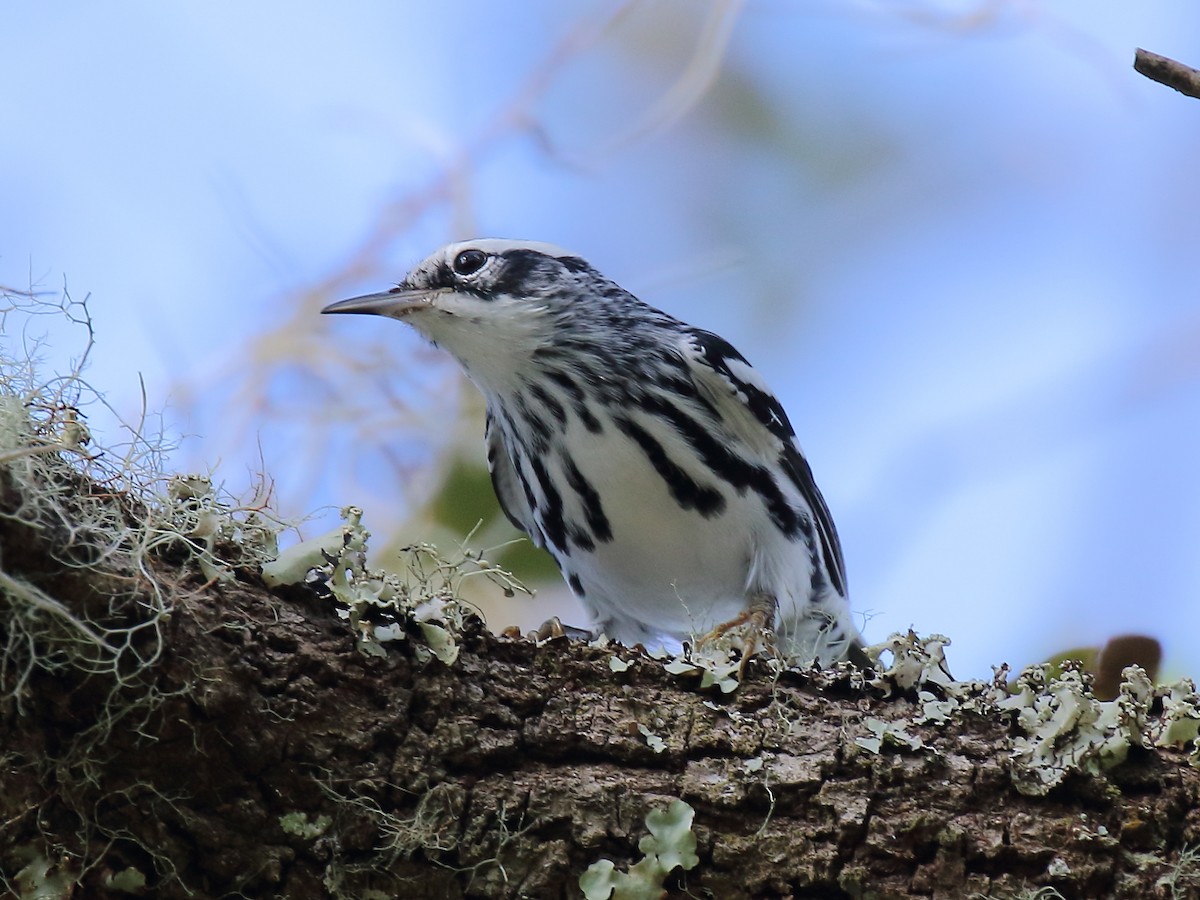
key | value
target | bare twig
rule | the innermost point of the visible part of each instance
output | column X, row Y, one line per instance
column 693, row 83
column 1167, row 71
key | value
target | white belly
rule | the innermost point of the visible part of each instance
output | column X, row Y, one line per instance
column 668, row 573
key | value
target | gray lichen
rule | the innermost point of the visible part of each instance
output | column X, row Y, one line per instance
column 1064, row 728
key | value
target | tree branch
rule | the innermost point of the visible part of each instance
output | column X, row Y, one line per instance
column 1167, row 71
column 262, row 754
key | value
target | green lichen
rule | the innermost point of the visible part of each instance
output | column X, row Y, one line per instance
column 1068, row 730
column 715, row 666
column 380, row 605
column 669, row 845
column 1179, row 725
column 891, row 733
column 1065, row 727
column 907, row 661
column 653, row 741
column 127, row 881
column 299, row 824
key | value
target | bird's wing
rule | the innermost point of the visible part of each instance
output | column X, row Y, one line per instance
column 747, row 406
column 507, row 484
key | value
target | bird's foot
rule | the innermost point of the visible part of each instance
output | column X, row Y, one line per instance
column 746, row 631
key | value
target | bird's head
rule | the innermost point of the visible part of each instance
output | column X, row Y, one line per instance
column 491, row 303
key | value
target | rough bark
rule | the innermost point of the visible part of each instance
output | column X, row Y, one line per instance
column 1167, row 71
column 263, row 755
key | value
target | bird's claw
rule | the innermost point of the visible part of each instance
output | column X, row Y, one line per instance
column 750, row 627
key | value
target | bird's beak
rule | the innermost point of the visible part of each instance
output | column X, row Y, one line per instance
column 395, row 303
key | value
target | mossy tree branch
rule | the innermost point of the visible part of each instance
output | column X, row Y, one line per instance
column 262, row 753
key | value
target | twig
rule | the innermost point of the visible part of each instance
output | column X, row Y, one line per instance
column 1167, row 71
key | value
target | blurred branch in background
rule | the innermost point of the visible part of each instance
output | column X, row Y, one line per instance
column 357, row 395
column 694, row 82
column 726, row 155
column 377, row 408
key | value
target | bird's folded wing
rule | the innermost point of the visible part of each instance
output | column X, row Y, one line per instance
column 750, row 410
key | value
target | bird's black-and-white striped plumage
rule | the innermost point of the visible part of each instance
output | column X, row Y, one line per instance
column 647, row 456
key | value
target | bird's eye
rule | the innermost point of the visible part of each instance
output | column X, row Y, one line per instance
column 469, row 262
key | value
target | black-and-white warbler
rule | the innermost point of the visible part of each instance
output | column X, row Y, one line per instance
column 645, row 455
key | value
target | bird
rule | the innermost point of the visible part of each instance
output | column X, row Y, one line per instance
column 646, row 455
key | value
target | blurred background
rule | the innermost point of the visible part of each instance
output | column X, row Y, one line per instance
column 959, row 238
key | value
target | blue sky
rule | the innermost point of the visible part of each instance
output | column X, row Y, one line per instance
column 958, row 238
